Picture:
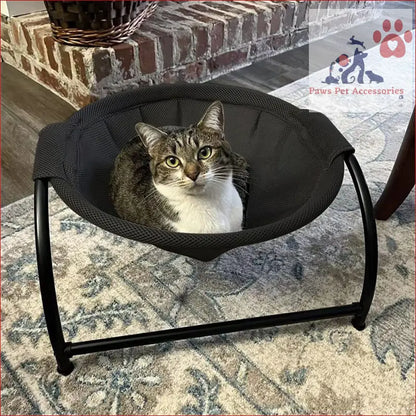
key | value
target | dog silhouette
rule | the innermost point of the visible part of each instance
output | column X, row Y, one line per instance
column 374, row 77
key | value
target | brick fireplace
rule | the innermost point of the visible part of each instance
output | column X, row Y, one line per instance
column 188, row 41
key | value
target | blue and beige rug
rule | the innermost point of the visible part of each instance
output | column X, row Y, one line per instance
column 108, row 286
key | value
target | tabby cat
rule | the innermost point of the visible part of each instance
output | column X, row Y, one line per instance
column 181, row 179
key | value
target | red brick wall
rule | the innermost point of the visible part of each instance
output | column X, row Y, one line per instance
column 189, row 41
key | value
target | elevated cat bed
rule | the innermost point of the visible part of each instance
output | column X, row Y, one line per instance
column 296, row 160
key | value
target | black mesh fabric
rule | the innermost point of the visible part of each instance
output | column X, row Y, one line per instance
column 295, row 157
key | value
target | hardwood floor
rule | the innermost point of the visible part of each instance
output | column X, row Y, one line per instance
column 277, row 71
column 26, row 107
column 272, row 73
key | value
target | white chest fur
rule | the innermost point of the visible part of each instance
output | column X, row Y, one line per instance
column 217, row 210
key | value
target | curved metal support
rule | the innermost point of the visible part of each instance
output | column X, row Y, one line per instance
column 47, row 285
column 370, row 237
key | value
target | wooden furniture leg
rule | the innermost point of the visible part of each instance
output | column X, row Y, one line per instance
column 402, row 177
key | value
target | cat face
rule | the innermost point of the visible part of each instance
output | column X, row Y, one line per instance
column 190, row 160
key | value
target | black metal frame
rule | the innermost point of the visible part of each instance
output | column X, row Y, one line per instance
column 65, row 350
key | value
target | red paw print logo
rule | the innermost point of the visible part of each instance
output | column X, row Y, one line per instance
column 392, row 44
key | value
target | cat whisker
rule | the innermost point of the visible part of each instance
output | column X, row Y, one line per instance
column 235, row 185
column 240, row 173
column 222, row 170
column 223, row 180
column 149, row 195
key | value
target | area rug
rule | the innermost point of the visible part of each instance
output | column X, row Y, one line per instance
column 108, row 286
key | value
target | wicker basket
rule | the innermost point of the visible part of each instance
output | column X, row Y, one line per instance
column 97, row 23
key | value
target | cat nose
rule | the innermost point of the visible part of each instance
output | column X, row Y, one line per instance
column 192, row 172
column 193, row 175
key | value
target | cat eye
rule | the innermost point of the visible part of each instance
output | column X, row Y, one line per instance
column 205, row 153
column 172, row 161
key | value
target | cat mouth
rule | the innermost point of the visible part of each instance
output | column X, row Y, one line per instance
column 195, row 188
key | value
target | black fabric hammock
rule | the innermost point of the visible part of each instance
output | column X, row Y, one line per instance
column 296, row 160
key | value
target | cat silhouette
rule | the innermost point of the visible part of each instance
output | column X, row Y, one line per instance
column 330, row 79
column 358, row 62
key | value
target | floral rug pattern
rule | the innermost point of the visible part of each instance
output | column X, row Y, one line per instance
column 109, row 286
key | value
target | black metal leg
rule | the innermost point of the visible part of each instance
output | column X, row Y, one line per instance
column 370, row 237
column 47, row 285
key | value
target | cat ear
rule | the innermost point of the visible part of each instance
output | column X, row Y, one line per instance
column 149, row 135
column 213, row 118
